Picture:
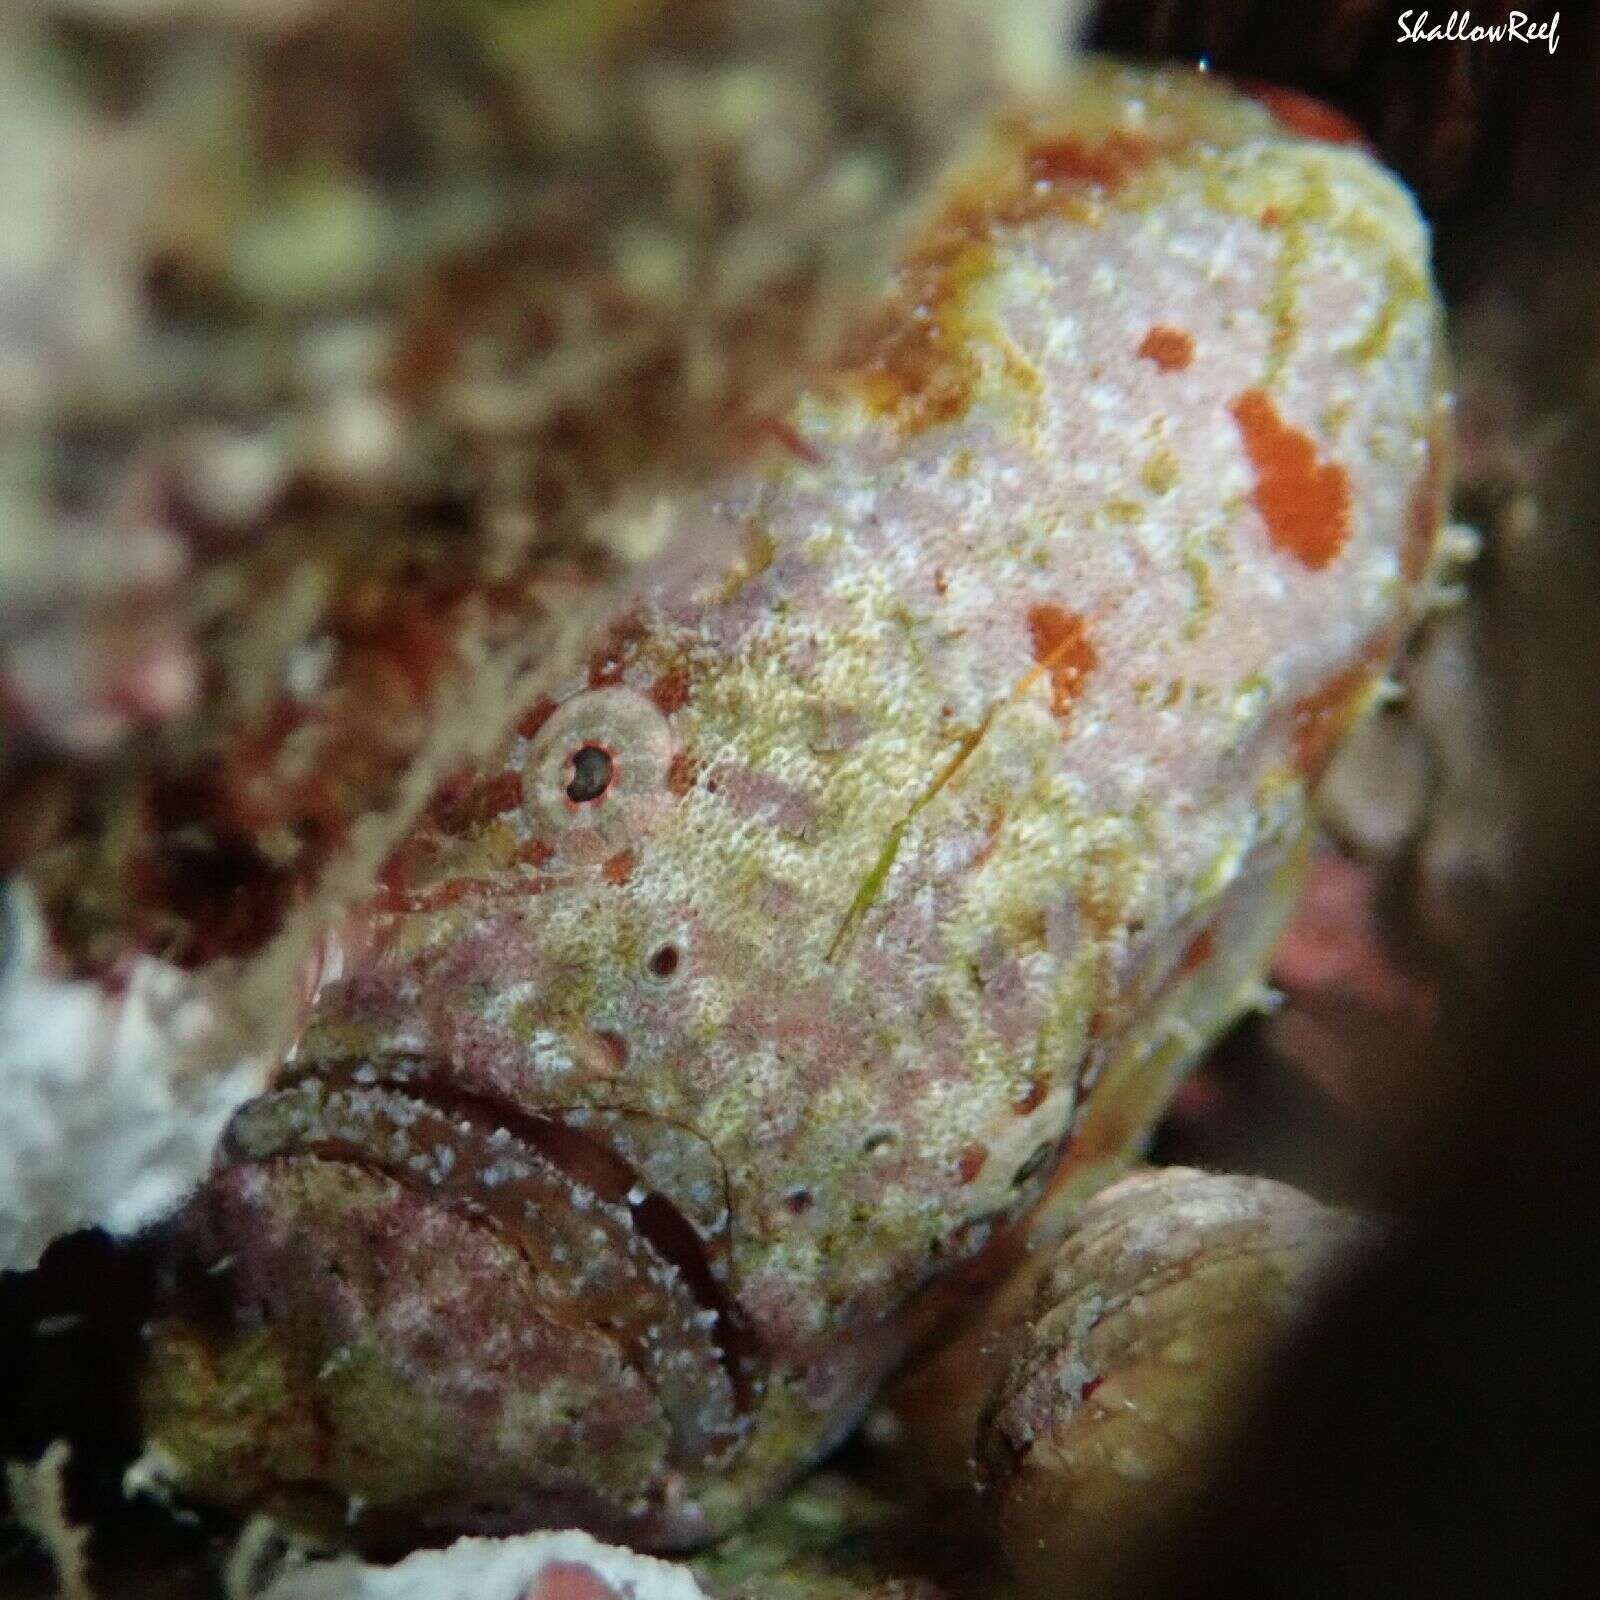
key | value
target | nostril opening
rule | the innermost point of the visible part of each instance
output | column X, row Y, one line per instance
column 1031, row 1166
column 591, row 774
column 665, row 961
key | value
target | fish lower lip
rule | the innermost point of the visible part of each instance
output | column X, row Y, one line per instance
column 553, row 1191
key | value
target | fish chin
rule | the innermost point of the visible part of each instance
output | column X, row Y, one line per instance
column 428, row 1255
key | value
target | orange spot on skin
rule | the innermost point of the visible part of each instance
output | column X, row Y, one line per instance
column 1304, row 114
column 918, row 369
column 918, row 365
column 670, row 692
column 1170, row 348
column 615, row 1047
column 536, row 853
column 535, row 717
column 1061, row 644
column 1105, row 163
column 618, row 868
column 1200, row 950
column 1304, row 501
column 972, row 1162
column 1271, row 217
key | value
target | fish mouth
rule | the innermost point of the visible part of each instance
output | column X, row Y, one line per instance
column 608, row 1253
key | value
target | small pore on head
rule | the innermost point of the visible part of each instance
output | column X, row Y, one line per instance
column 665, row 961
column 1033, row 1165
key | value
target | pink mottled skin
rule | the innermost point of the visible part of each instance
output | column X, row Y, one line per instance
column 708, row 1043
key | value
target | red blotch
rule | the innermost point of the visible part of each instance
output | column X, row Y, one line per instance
column 536, row 853
column 786, row 435
column 1304, row 501
column 1321, row 718
column 535, row 717
column 615, row 1047
column 1170, row 348
column 681, row 773
column 1200, row 950
column 618, row 868
column 1309, row 117
column 1061, row 644
column 456, row 807
column 1086, row 1393
column 1424, row 516
column 670, row 692
column 991, row 835
column 606, row 665
column 1032, row 1097
column 972, row 1162
column 1105, row 163
column 570, row 1580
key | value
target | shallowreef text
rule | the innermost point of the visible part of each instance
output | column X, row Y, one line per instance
column 1516, row 28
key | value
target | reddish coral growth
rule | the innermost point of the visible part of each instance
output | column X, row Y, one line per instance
column 1061, row 644
column 1335, row 944
column 1424, row 514
column 1304, row 114
column 618, row 868
column 1170, row 348
column 972, row 1162
column 670, row 692
column 1200, row 950
column 1105, row 163
column 535, row 717
column 1305, row 502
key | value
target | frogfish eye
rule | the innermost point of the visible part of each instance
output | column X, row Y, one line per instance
column 591, row 774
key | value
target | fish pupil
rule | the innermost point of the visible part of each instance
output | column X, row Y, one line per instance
column 591, row 774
